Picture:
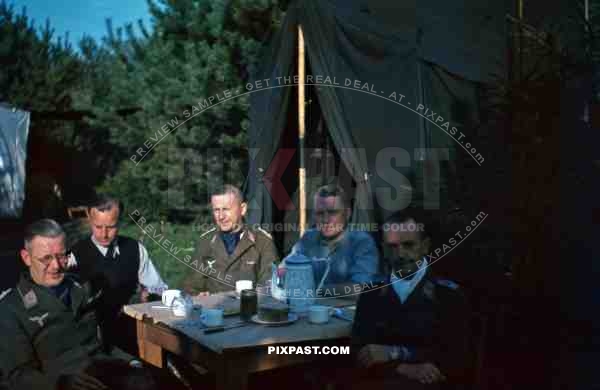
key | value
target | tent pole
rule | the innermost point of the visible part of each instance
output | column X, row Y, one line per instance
column 301, row 131
column 423, row 144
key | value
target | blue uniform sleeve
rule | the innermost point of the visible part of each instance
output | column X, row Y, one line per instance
column 365, row 261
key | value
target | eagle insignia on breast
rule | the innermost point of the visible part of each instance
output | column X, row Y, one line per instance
column 39, row 319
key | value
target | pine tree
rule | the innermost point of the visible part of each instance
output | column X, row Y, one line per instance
column 40, row 73
column 195, row 50
column 37, row 71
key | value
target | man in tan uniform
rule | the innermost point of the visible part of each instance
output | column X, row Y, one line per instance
column 230, row 251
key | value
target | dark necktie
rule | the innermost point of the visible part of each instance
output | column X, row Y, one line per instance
column 110, row 253
column 230, row 240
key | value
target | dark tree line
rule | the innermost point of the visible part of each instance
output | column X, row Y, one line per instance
column 95, row 106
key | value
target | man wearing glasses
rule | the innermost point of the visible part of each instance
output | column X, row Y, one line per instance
column 343, row 260
column 50, row 331
column 47, row 319
column 119, row 266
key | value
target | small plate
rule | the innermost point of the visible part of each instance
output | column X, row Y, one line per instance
column 205, row 326
column 292, row 317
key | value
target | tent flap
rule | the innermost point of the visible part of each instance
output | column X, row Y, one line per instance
column 386, row 63
column 14, row 129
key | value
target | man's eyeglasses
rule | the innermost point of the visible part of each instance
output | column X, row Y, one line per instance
column 46, row 260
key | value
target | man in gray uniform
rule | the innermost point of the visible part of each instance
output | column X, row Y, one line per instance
column 48, row 322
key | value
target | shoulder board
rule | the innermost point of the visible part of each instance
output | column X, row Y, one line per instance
column 447, row 283
column 5, row 293
column 266, row 233
column 207, row 232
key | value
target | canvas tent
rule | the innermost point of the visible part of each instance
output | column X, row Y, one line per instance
column 432, row 52
column 14, row 129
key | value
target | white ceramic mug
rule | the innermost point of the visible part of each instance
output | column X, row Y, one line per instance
column 243, row 285
column 212, row 317
column 318, row 314
column 169, row 295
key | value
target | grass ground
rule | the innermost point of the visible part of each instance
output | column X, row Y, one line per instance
column 167, row 256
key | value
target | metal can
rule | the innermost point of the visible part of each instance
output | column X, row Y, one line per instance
column 249, row 304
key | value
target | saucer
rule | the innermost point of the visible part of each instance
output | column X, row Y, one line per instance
column 205, row 325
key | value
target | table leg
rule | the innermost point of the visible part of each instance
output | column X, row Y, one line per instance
column 148, row 351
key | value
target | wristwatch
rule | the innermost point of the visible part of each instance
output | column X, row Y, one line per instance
column 399, row 352
column 394, row 352
column 135, row 363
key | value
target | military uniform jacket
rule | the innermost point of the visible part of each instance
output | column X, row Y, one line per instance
column 42, row 338
column 212, row 269
column 432, row 324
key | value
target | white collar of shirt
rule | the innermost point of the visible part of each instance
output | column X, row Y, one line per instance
column 104, row 249
column 403, row 287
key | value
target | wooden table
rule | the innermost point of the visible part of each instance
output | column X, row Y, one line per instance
column 235, row 353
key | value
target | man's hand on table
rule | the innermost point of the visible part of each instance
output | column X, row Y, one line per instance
column 372, row 354
column 426, row 373
column 202, row 294
column 148, row 295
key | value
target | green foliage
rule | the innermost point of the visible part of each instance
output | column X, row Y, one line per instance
column 197, row 49
column 121, row 93
column 45, row 75
column 37, row 71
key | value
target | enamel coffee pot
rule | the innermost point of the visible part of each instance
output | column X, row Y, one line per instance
column 299, row 283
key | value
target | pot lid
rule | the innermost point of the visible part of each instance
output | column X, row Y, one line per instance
column 296, row 259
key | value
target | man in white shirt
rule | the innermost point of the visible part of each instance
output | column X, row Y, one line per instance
column 118, row 265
